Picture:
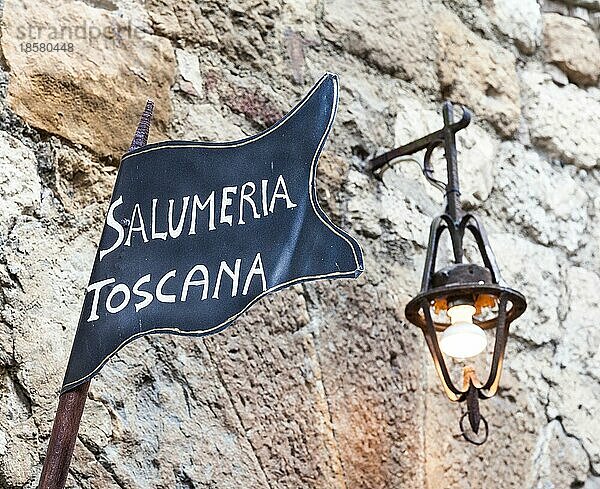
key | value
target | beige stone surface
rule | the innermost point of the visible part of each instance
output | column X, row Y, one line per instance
column 576, row 398
column 94, row 92
column 394, row 36
column 573, row 46
column 323, row 385
column 190, row 78
column 477, row 73
column 20, row 186
column 520, row 20
column 559, row 119
column 530, row 191
column 555, row 440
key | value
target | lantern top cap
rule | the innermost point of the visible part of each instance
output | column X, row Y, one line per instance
column 461, row 273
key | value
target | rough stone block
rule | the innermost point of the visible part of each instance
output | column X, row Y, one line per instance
column 520, row 20
column 94, row 92
column 562, row 120
column 573, row 47
column 478, row 73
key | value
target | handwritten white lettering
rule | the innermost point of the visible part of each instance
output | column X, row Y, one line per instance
column 191, row 215
column 171, row 289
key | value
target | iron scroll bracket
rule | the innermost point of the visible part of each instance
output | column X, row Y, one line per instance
column 444, row 137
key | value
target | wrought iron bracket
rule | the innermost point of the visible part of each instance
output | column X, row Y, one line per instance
column 444, row 137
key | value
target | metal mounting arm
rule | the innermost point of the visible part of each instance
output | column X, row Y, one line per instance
column 445, row 137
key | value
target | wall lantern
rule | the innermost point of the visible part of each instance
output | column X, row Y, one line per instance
column 459, row 303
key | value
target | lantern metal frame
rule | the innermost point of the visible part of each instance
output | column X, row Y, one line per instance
column 459, row 283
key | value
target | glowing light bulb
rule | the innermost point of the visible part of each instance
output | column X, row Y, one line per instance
column 462, row 339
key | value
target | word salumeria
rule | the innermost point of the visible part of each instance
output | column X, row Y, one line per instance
column 247, row 201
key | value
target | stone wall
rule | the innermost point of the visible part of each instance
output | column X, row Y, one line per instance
column 323, row 385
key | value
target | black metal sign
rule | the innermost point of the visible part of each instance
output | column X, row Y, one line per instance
column 198, row 232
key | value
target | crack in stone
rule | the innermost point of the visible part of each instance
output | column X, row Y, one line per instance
column 559, row 419
column 563, row 310
column 235, row 410
column 103, row 463
column 314, row 335
column 22, row 393
column 592, row 470
column 330, row 423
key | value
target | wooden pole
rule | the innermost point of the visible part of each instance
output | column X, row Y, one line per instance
column 63, row 437
column 71, row 403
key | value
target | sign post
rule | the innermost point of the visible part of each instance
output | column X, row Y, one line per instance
column 197, row 232
column 71, row 403
column 63, row 437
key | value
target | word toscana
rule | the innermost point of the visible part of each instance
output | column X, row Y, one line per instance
column 188, row 216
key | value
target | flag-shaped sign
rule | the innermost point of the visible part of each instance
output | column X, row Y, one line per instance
column 198, row 232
